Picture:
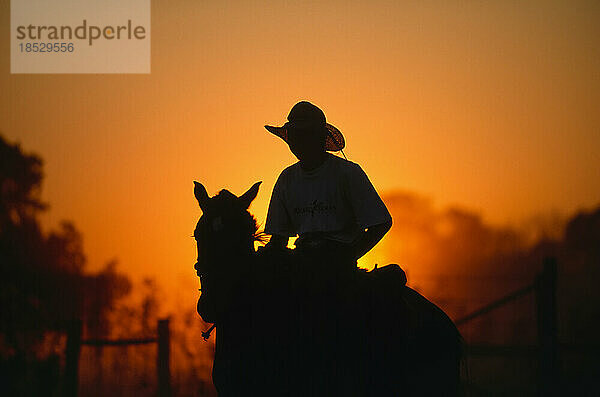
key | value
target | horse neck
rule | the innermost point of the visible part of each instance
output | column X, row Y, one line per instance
column 245, row 246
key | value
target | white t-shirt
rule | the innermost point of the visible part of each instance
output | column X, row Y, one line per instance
column 335, row 198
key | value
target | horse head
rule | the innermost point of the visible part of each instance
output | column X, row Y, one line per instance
column 225, row 235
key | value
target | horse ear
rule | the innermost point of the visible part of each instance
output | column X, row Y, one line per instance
column 201, row 195
column 250, row 195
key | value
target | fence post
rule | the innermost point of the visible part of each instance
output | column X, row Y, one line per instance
column 162, row 364
column 547, row 329
column 73, row 348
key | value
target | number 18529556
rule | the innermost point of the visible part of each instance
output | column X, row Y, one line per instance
column 46, row 47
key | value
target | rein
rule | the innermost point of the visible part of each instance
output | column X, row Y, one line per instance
column 206, row 334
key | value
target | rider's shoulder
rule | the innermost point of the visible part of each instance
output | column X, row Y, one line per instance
column 289, row 171
column 341, row 161
column 345, row 165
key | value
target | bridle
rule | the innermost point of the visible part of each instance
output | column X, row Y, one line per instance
column 200, row 272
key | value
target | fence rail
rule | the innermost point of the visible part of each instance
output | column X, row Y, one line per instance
column 544, row 288
column 74, row 344
column 496, row 304
column 118, row 342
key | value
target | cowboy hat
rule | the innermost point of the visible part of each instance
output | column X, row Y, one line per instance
column 305, row 114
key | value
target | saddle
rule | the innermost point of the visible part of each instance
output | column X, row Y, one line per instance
column 390, row 275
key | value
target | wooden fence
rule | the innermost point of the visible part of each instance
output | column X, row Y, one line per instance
column 547, row 349
column 73, row 349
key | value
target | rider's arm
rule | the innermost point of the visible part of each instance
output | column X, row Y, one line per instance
column 369, row 210
column 278, row 224
column 370, row 238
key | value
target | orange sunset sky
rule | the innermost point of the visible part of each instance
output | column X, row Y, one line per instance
column 492, row 106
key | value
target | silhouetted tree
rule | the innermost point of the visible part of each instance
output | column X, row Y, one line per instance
column 43, row 285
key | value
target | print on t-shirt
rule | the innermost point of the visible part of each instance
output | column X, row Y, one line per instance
column 316, row 207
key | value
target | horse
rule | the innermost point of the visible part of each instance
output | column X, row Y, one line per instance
column 271, row 341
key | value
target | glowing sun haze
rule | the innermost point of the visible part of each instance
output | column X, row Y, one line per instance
column 490, row 105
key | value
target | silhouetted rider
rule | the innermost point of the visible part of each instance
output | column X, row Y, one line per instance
column 338, row 216
column 327, row 201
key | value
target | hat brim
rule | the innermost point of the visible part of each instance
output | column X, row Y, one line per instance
column 334, row 142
